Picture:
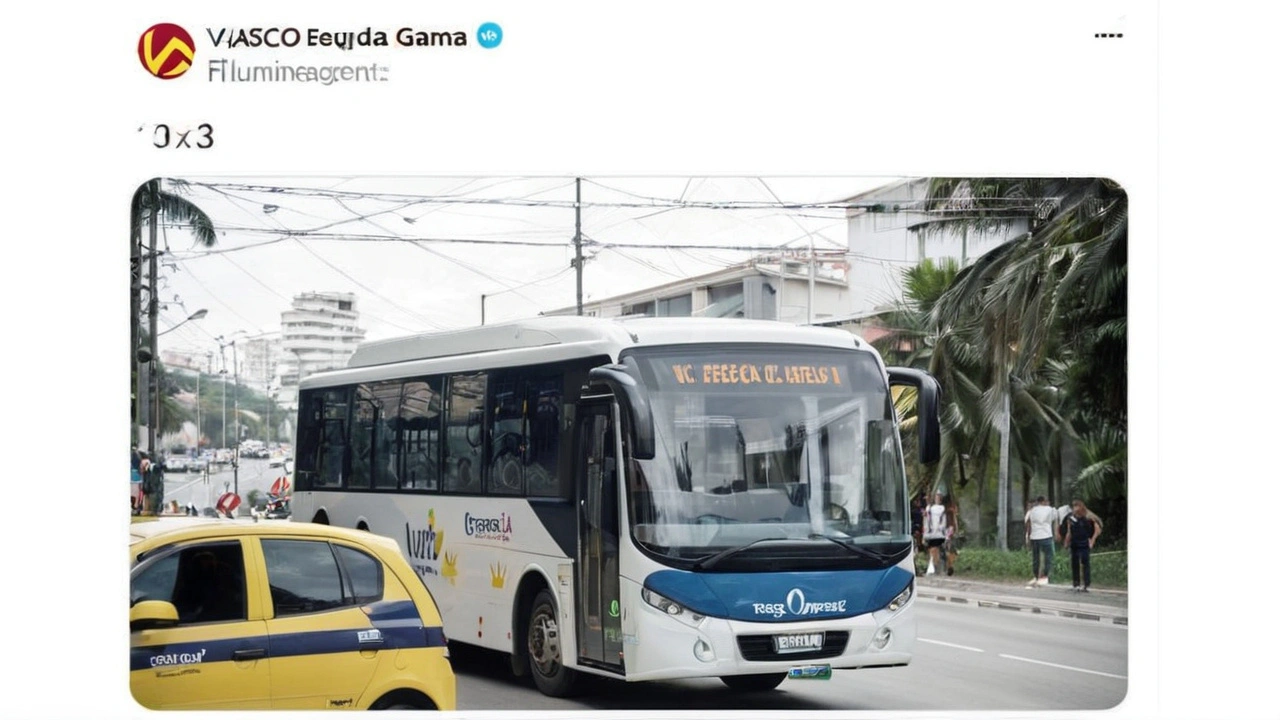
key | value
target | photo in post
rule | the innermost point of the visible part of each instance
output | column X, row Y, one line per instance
column 612, row 443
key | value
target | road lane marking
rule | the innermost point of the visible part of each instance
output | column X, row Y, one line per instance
column 1063, row 667
column 947, row 644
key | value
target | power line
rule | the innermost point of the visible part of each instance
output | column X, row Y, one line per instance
column 525, row 202
column 372, row 292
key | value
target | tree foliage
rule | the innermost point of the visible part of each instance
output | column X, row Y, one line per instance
column 1041, row 318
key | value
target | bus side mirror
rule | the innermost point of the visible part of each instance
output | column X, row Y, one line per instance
column 928, row 398
column 634, row 403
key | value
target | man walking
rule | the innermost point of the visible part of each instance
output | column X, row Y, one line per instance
column 1079, row 531
column 1041, row 534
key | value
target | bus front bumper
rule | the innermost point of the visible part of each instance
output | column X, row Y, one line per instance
column 667, row 648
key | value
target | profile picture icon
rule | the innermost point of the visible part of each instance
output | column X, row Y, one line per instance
column 166, row 50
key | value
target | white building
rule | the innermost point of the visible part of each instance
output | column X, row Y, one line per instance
column 892, row 229
column 320, row 332
column 774, row 287
column 259, row 358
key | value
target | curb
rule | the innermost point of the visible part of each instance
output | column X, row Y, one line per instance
column 1009, row 604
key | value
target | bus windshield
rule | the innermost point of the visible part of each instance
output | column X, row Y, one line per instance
column 763, row 444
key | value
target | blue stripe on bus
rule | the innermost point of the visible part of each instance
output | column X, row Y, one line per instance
column 773, row 597
column 399, row 629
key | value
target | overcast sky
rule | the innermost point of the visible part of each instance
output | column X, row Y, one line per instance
column 396, row 244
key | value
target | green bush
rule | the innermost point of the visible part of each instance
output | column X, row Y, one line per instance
column 1109, row 568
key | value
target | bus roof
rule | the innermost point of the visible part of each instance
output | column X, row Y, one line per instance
column 545, row 339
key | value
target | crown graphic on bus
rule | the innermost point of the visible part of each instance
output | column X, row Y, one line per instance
column 449, row 568
column 498, row 575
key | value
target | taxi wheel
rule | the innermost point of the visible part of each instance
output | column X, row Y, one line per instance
column 546, row 658
column 754, row 683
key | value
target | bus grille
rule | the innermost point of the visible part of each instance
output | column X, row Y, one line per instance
column 759, row 648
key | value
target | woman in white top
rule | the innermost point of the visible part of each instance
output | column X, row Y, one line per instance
column 935, row 531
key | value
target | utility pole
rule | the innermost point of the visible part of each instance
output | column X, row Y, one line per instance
column 235, row 394
column 577, row 236
column 812, row 275
column 153, row 313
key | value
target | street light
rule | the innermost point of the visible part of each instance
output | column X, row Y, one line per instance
column 194, row 316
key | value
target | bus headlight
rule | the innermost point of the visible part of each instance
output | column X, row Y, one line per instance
column 670, row 607
column 898, row 602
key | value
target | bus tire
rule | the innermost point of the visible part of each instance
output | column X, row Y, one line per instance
column 546, row 654
column 754, row 683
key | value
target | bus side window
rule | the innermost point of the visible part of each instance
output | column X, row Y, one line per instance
column 309, row 434
column 463, row 460
column 543, row 417
column 420, row 435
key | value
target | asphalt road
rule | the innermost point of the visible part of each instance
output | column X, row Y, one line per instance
column 968, row 658
column 255, row 474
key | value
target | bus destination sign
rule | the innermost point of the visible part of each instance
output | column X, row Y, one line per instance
column 750, row 373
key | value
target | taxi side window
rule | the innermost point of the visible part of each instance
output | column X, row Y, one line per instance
column 204, row 582
column 364, row 574
column 303, row 575
column 309, row 576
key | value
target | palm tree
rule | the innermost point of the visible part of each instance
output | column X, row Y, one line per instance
column 1054, row 294
column 150, row 202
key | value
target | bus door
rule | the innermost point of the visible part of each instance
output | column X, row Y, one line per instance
column 597, row 446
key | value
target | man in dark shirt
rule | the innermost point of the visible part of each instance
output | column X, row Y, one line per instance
column 1079, row 531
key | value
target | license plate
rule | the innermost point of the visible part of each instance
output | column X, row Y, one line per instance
column 810, row 672
column 797, row 643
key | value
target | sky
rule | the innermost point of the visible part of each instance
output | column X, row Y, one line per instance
column 418, row 253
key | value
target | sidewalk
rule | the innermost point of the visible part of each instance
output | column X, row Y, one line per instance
column 1098, row 605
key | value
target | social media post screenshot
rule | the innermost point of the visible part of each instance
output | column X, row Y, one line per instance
column 582, row 360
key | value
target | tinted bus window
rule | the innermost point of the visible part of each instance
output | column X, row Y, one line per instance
column 310, row 426
column 385, row 398
column 464, row 434
column 545, row 403
column 420, row 434
column 363, row 415
column 333, row 439
column 506, row 435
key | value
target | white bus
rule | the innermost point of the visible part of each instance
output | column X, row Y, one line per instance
column 641, row 499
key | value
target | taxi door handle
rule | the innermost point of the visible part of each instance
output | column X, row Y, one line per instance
column 253, row 654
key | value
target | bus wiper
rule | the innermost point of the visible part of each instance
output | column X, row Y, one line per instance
column 705, row 562
column 854, row 549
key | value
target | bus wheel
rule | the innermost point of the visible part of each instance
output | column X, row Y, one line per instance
column 754, row 683
column 546, row 657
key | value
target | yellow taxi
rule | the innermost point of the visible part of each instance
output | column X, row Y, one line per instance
column 228, row 614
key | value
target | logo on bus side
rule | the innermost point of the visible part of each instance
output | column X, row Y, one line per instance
column 423, row 546
column 796, row 604
column 488, row 528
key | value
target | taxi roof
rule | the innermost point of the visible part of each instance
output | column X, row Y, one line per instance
column 176, row 529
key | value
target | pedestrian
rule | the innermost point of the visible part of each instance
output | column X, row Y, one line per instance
column 135, row 481
column 935, row 533
column 1042, row 533
column 144, row 469
column 951, row 546
column 1079, row 531
column 918, row 504
column 153, row 487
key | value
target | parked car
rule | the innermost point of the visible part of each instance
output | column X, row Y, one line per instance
column 230, row 614
column 177, row 463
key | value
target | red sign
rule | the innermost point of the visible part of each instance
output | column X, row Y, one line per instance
column 228, row 503
column 280, row 486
